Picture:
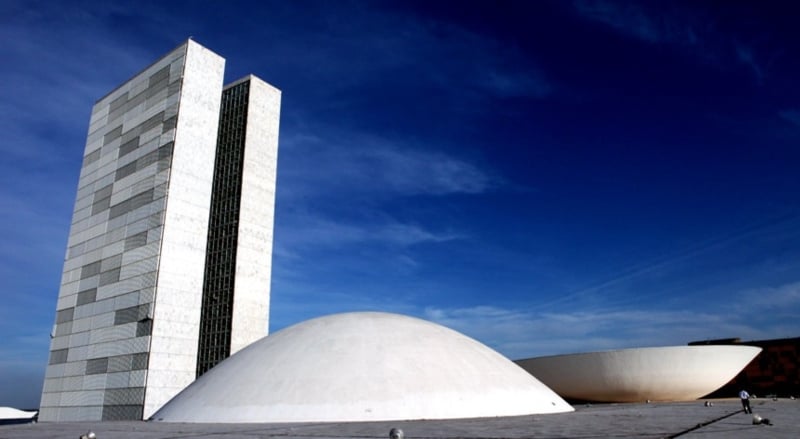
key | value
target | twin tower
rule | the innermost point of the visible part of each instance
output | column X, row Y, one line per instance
column 167, row 268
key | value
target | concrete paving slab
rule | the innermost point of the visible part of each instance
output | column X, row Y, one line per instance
column 687, row 420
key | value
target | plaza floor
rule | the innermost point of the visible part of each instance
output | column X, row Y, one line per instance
column 687, row 420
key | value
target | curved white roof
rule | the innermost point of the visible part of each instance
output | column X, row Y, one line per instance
column 362, row 367
column 672, row 373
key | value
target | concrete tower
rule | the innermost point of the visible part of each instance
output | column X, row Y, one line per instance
column 168, row 262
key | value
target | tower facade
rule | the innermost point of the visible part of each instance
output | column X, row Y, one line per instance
column 239, row 253
column 162, row 190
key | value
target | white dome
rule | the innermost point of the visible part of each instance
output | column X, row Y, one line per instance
column 673, row 373
column 362, row 367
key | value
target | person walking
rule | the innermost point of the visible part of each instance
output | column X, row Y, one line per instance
column 745, row 397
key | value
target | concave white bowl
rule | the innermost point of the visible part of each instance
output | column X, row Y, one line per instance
column 674, row 373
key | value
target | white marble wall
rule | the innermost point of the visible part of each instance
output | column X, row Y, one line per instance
column 125, row 320
column 179, row 288
column 129, row 307
column 100, row 340
column 256, row 216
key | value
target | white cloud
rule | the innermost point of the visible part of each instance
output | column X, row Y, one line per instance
column 349, row 164
column 312, row 229
column 75, row 62
column 521, row 333
column 767, row 300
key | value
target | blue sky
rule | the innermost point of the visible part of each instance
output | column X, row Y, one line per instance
column 546, row 177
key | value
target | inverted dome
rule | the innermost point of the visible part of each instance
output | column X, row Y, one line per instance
column 362, row 367
column 673, row 373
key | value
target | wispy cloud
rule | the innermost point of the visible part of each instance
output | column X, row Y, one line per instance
column 386, row 48
column 478, row 65
column 57, row 60
column 629, row 19
column 747, row 56
column 350, row 164
column 336, row 192
column 521, row 334
column 65, row 86
column 616, row 284
column 313, row 229
column 768, row 301
column 689, row 28
column 44, row 112
column 792, row 116
column 530, row 83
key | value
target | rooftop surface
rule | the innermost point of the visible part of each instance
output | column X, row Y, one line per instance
column 690, row 420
